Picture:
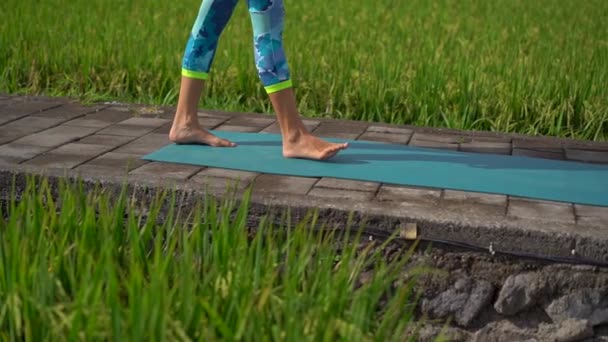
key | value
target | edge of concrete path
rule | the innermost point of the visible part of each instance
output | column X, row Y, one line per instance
column 532, row 236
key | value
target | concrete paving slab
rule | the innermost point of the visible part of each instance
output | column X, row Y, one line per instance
column 587, row 145
column 486, row 147
column 164, row 129
column 389, row 129
column 111, row 164
column 134, row 127
column 34, row 122
column 267, row 183
column 126, row 130
column 590, row 221
column 166, row 170
column 587, row 155
column 438, row 138
column 392, row 193
column 8, row 134
column 146, row 144
column 15, row 110
column 332, row 194
column 68, row 111
column 340, row 130
column 226, row 173
column 206, row 123
column 218, row 185
column 57, row 161
column 67, row 156
column 582, row 210
column 559, row 155
column 386, row 137
column 311, row 124
column 494, row 212
column 211, row 113
column 275, row 128
column 55, row 136
column 258, row 121
column 106, row 140
column 474, row 197
column 24, row 126
column 233, row 128
column 434, row 144
column 8, row 162
column 467, row 202
column 337, row 135
column 88, row 150
column 18, row 153
column 537, row 145
column 347, row 184
column 101, row 119
column 348, row 126
column 475, row 136
column 144, row 122
column 543, row 210
column 210, row 123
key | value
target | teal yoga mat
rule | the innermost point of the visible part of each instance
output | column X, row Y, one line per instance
column 555, row 180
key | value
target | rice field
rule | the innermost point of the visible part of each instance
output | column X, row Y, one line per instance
column 534, row 67
column 81, row 265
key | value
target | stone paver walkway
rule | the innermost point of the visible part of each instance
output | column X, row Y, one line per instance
column 106, row 141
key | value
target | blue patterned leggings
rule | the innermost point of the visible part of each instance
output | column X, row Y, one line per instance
column 267, row 20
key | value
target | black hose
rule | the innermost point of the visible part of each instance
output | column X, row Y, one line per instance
column 550, row 258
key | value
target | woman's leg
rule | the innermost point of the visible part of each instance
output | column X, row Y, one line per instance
column 267, row 19
column 198, row 56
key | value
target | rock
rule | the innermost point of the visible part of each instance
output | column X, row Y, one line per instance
column 464, row 301
column 520, row 292
column 569, row 330
column 588, row 304
column 504, row 331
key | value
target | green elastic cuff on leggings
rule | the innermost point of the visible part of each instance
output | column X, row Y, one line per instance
column 279, row 86
column 195, row 74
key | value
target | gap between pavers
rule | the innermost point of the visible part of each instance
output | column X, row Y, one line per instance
column 14, row 110
column 110, row 164
column 15, row 153
column 56, row 136
column 68, row 155
column 101, row 119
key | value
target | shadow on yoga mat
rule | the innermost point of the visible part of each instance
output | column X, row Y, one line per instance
column 537, row 178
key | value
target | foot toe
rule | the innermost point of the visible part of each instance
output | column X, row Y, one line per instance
column 223, row 143
column 330, row 152
column 328, row 155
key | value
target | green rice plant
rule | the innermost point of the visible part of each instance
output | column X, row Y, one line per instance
column 533, row 67
column 80, row 264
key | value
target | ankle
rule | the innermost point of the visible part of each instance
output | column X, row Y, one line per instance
column 292, row 136
column 185, row 120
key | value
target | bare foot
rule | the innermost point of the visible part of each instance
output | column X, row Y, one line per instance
column 196, row 135
column 308, row 146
